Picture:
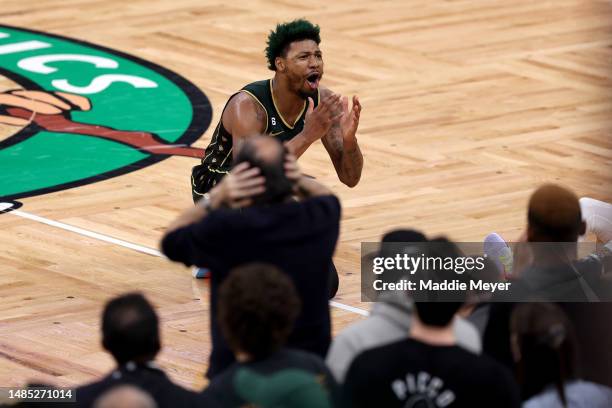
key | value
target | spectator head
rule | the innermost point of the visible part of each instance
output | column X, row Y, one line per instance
column 554, row 215
column 438, row 308
column 544, row 348
column 258, row 305
column 437, row 314
column 410, row 242
column 130, row 329
column 267, row 154
column 125, row 396
column 403, row 236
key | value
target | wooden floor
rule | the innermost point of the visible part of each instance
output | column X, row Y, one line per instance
column 467, row 107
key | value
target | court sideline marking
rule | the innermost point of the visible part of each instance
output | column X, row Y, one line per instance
column 130, row 245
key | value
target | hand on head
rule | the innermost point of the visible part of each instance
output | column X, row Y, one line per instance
column 238, row 188
column 264, row 173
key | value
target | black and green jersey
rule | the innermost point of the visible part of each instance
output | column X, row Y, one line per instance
column 217, row 158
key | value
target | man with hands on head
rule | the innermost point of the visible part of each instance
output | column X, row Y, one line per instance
column 299, row 237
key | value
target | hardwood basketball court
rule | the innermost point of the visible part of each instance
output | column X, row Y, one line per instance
column 467, row 107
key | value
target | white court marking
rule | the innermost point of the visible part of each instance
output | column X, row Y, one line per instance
column 130, row 245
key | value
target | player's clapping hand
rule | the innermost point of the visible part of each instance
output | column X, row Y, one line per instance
column 319, row 120
column 238, row 188
column 350, row 122
column 21, row 106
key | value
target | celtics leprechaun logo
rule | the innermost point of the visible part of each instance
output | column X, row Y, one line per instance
column 73, row 113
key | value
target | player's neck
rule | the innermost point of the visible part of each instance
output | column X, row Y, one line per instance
column 289, row 103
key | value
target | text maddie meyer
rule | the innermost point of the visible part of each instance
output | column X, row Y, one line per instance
column 452, row 285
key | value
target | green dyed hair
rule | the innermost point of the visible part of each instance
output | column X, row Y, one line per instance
column 285, row 34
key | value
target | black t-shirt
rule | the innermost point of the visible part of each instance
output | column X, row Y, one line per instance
column 410, row 373
column 222, row 390
column 298, row 237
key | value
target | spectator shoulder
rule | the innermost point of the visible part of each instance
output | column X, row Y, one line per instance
column 328, row 202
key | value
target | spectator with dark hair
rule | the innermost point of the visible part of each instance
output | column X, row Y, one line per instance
column 299, row 237
column 130, row 329
column 130, row 332
column 546, row 353
column 428, row 369
column 390, row 317
column 257, row 307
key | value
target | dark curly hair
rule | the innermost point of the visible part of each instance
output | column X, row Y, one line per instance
column 286, row 33
column 258, row 305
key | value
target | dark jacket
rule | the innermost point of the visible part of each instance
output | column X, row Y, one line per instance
column 148, row 377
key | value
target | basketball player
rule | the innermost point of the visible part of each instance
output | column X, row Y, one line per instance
column 291, row 106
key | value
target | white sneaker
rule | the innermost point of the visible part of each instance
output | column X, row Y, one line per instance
column 498, row 251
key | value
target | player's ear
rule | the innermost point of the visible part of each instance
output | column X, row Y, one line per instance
column 279, row 62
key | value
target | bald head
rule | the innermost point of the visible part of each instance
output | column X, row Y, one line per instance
column 268, row 154
column 266, row 148
column 125, row 396
column 554, row 215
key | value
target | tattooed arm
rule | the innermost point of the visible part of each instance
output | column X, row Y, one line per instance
column 341, row 144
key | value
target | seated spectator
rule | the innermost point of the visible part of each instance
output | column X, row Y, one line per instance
column 428, row 368
column 130, row 332
column 389, row 321
column 545, row 351
column 554, row 216
column 257, row 308
column 297, row 237
column 125, row 396
column 553, row 273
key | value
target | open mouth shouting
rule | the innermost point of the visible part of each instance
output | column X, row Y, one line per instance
column 312, row 80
